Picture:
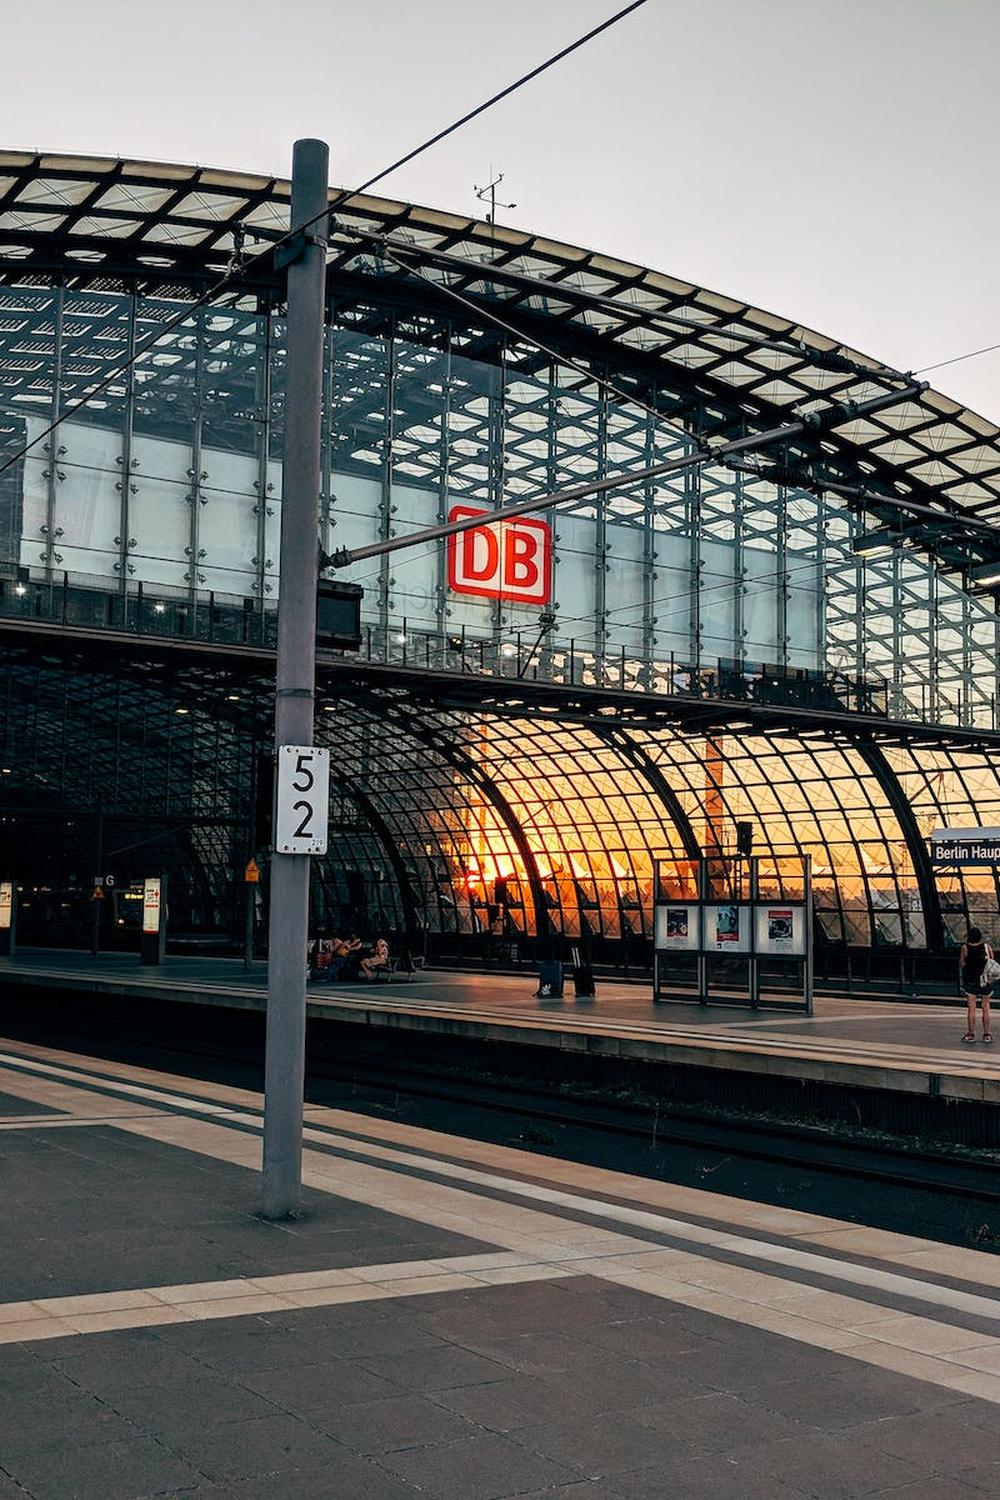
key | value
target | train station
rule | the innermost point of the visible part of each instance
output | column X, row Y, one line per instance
column 736, row 644
column 568, row 1099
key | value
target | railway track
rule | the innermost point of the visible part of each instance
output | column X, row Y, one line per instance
column 951, row 1195
column 798, row 1145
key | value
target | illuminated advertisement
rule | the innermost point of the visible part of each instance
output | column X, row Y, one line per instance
column 727, row 928
column 678, row 928
column 151, row 904
column 780, row 930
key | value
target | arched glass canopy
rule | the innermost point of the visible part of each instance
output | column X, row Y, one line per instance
column 471, row 363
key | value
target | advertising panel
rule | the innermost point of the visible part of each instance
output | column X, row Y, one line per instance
column 727, row 928
column 677, row 928
column 6, row 904
column 780, row 930
column 151, row 904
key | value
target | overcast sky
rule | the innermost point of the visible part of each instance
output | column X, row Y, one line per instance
column 834, row 161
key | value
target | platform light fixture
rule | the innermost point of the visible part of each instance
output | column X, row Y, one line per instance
column 875, row 543
column 987, row 575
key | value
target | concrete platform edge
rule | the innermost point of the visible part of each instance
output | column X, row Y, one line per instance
column 721, row 1056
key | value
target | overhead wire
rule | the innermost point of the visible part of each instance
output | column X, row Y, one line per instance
column 399, row 254
column 752, row 591
column 732, row 584
column 236, row 274
column 589, row 374
column 957, row 359
column 798, row 348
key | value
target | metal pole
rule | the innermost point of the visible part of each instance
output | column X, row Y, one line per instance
column 702, row 956
column 250, row 895
column 288, row 931
column 808, row 976
column 754, row 956
column 97, row 901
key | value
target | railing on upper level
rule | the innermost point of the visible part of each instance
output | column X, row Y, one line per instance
column 146, row 610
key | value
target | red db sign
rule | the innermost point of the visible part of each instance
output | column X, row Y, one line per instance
column 507, row 560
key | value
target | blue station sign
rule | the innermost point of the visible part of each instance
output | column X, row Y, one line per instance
column 965, row 846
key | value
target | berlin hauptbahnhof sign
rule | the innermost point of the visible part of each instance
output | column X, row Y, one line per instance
column 965, row 846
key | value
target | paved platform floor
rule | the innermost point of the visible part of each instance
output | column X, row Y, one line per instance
column 451, row 1319
column 885, row 1038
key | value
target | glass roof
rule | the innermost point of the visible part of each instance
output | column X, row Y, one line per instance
column 98, row 220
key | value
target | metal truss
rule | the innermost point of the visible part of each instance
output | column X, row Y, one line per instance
column 434, row 803
column 401, row 412
column 558, row 366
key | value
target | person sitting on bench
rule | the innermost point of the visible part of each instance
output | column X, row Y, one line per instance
column 331, row 956
column 378, row 960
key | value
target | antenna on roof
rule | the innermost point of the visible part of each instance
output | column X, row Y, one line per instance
column 489, row 191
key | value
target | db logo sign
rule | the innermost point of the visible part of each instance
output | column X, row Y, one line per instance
column 507, row 560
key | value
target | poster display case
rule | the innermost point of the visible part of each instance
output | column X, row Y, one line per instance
column 727, row 928
column 677, row 927
column 754, row 910
column 8, row 918
column 780, row 929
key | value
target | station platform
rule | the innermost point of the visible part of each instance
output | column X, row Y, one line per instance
column 450, row 1319
column 873, row 1044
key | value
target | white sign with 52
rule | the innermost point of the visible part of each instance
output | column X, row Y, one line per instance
column 301, row 800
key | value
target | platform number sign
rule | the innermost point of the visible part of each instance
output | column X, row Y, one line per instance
column 302, row 800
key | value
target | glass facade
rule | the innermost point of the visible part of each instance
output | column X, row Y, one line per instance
column 171, row 478
column 157, row 506
column 430, row 810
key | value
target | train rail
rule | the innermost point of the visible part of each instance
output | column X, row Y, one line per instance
column 951, row 1194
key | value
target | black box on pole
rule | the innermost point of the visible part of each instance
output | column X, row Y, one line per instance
column 338, row 614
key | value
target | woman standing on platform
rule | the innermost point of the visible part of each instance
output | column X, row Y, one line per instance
column 976, row 954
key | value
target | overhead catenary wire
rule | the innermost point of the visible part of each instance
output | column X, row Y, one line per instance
column 749, row 591
column 399, row 253
column 395, row 252
column 405, row 256
column 736, row 585
column 699, row 455
column 957, row 359
column 235, row 274
column 797, row 348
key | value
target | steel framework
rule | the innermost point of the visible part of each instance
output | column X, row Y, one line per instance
column 717, row 618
